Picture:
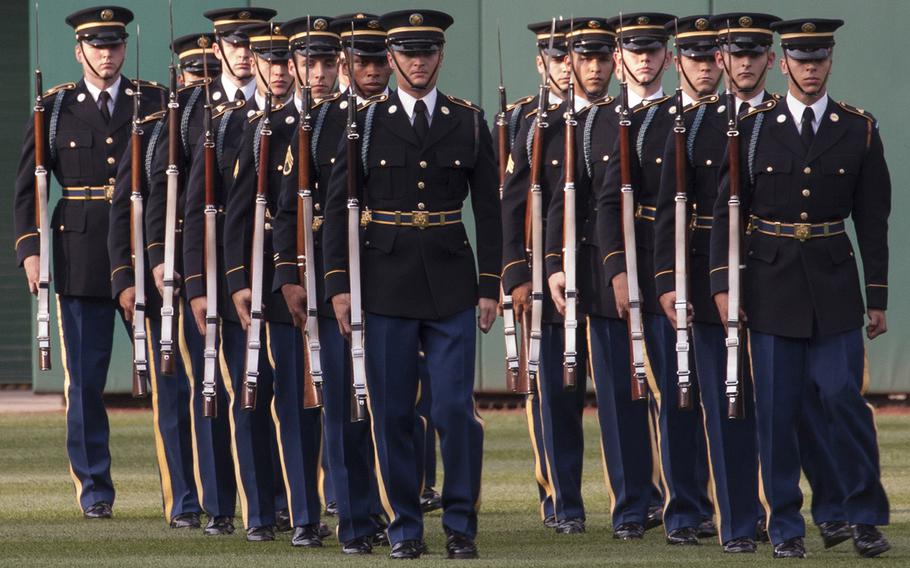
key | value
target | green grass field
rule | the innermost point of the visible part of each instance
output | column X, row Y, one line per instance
column 40, row 524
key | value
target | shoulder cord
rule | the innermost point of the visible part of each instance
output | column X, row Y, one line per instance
column 476, row 135
column 150, row 151
column 513, row 124
column 753, row 145
column 589, row 126
column 222, row 130
column 317, row 129
column 256, row 139
column 693, row 132
column 185, row 119
column 367, row 133
column 55, row 118
column 640, row 142
column 530, row 141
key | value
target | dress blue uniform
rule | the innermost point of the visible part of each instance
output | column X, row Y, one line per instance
column 804, row 170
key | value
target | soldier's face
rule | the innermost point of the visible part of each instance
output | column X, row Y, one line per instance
column 370, row 73
column 106, row 60
column 238, row 57
column 645, row 66
column 323, row 72
column 419, row 68
column 593, row 71
column 811, row 74
column 702, row 72
column 559, row 71
column 747, row 69
column 277, row 74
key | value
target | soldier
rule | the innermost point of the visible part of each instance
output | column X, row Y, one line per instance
column 680, row 432
column 86, row 134
column 801, row 290
column 514, row 248
column 734, row 467
column 424, row 151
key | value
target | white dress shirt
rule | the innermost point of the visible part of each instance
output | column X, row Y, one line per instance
column 113, row 90
column 635, row 99
column 408, row 102
column 797, row 108
column 230, row 89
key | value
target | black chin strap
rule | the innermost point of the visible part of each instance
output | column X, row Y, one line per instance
column 224, row 59
column 92, row 67
column 821, row 89
column 578, row 82
column 640, row 83
column 352, row 82
column 405, row 75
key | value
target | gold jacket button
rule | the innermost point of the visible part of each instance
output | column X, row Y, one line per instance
column 72, row 143
column 61, row 227
column 841, row 171
column 708, row 162
column 423, row 164
column 317, row 207
column 769, row 169
column 382, row 162
column 605, row 158
column 109, row 140
column 458, row 163
column 803, row 215
column 111, row 160
column 659, row 160
column 807, row 170
column 421, row 185
column 555, row 162
column 421, row 206
column 806, row 193
column 332, row 161
column 111, row 181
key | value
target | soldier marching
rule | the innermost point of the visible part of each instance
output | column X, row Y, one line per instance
column 283, row 234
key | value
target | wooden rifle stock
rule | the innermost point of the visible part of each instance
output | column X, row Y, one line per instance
column 535, row 201
column 733, row 390
column 169, row 297
column 137, row 249
column 569, row 227
column 681, row 208
column 43, row 336
column 210, row 353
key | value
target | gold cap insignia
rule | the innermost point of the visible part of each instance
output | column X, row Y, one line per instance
column 415, row 19
column 373, row 24
column 202, row 42
column 593, row 24
column 244, row 15
column 320, row 24
column 276, row 30
column 643, row 20
column 745, row 22
column 359, row 16
column 808, row 27
column 701, row 24
column 107, row 15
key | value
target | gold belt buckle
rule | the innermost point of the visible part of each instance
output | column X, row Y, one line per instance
column 317, row 223
column 802, row 231
column 420, row 219
column 638, row 210
column 109, row 193
column 366, row 217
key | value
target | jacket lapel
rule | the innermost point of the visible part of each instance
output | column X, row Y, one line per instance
column 444, row 121
column 86, row 110
column 829, row 132
column 401, row 125
column 122, row 108
column 785, row 130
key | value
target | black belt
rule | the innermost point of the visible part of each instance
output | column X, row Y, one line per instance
column 419, row 219
column 646, row 212
column 801, row 231
column 89, row 192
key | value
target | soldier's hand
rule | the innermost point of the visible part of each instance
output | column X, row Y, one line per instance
column 621, row 294
column 199, row 305
column 557, row 283
column 341, row 303
column 521, row 299
column 32, row 269
column 158, row 275
column 668, row 303
column 877, row 323
column 487, row 314
column 295, row 298
column 127, row 301
column 242, row 300
column 721, row 299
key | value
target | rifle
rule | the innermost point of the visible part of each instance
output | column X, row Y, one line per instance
column 168, row 321
column 306, row 250
column 253, row 344
column 41, row 196
column 514, row 374
column 636, row 331
column 570, row 364
column 137, row 245
column 733, row 392
column 536, row 233
column 210, row 353
column 684, row 398
column 358, row 355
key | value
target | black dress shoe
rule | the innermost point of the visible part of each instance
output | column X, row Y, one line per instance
column 325, row 531
column 685, row 536
column 100, row 510
column 707, row 529
column 331, row 508
column 869, row 541
column 186, row 521
column 761, row 531
column 430, row 500
column 655, row 517
column 792, row 548
column 359, row 545
column 550, row 522
column 219, row 526
column 407, row 550
column 282, row 520
column 739, row 546
column 834, row 532
column 460, row 546
column 260, row 534
column 571, row 526
column 380, row 538
column 307, row 536
column 629, row 531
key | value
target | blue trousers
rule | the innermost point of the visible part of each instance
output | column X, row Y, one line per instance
column 561, row 422
column 213, row 464
column 392, row 345
column 426, row 436
column 831, row 364
column 624, row 433
column 680, row 433
column 348, row 448
column 818, row 461
column 251, row 431
column 732, row 451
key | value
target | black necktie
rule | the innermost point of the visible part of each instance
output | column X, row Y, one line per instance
column 103, row 99
column 239, row 96
column 743, row 108
column 421, row 122
column 805, row 127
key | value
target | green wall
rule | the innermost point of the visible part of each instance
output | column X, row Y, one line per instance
column 866, row 47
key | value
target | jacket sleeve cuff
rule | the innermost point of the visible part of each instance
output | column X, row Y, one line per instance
column 614, row 263
column 489, row 286
column 155, row 254
column 285, row 273
column 121, row 279
column 237, row 279
column 665, row 282
column 553, row 263
column 877, row 296
column 336, row 282
column 719, row 281
column 515, row 273
column 27, row 245
column 194, row 286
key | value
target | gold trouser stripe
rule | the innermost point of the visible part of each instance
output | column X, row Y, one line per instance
column 167, row 490
column 77, row 483
column 226, row 379
column 191, row 379
column 762, row 497
column 483, row 427
column 546, row 456
column 277, row 422
column 658, row 475
column 380, row 481
column 712, row 482
column 423, row 469
column 542, row 481
column 603, row 453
